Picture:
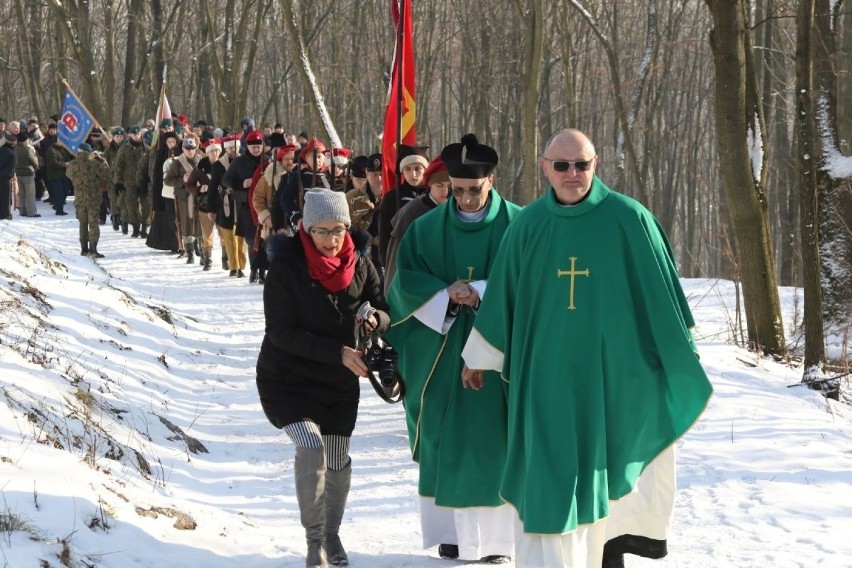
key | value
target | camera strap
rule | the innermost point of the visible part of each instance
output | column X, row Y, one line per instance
column 393, row 393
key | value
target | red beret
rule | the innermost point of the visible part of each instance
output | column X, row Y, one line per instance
column 436, row 166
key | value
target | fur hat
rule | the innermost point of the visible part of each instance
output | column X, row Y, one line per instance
column 284, row 150
column 408, row 155
column 308, row 148
column 469, row 159
column 374, row 163
column 358, row 167
column 323, row 204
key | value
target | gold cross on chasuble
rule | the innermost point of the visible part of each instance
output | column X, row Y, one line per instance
column 469, row 275
column 572, row 273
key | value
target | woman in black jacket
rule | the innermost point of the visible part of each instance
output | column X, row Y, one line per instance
column 308, row 368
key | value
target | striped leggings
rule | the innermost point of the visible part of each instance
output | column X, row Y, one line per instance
column 306, row 434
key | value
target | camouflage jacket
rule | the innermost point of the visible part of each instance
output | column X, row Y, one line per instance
column 130, row 167
column 90, row 176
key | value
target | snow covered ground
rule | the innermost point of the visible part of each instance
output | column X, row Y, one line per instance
column 131, row 434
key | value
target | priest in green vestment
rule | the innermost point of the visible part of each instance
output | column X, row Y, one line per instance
column 585, row 320
column 458, row 437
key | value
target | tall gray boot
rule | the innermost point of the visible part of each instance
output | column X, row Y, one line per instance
column 337, row 485
column 310, row 473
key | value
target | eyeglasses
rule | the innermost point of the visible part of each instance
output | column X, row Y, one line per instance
column 321, row 233
column 473, row 191
column 565, row 165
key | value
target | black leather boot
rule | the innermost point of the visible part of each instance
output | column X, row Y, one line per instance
column 135, row 234
column 93, row 251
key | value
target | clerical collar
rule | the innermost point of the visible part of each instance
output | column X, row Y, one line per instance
column 569, row 205
column 476, row 216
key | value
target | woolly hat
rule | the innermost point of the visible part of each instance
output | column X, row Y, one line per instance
column 254, row 137
column 436, row 172
column 85, row 147
column 469, row 159
column 323, row 204
column 408, row 155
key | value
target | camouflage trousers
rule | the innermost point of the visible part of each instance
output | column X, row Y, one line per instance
column 88, row 214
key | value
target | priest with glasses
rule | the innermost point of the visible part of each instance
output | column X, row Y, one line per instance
column 457, row 436
column 586, row 322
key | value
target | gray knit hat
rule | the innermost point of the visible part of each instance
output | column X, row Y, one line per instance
column 323, row 204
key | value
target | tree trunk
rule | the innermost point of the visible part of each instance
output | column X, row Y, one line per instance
column 739, row 130
column 135, row 19
column 834, row 198
column 533, row 19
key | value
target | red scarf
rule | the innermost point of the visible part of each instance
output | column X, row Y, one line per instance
column 334, row 273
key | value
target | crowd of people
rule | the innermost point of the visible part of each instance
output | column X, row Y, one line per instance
column 546, row 350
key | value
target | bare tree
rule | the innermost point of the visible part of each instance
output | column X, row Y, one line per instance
column 739, row 128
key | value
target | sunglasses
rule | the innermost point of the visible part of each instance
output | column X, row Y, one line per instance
column 474, row 191
column 565, row 165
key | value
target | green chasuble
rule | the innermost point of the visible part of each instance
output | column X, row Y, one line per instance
column 457, row 435
column 585, row 318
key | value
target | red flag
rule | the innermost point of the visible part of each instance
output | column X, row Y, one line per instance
column 400, row 93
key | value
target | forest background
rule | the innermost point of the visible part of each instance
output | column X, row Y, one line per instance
column 730, row 120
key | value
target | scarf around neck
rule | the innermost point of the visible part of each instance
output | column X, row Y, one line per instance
column 334, row 273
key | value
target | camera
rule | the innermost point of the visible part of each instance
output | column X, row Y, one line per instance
column 382, row 359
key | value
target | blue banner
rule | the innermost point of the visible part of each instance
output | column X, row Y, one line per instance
column 75, row 123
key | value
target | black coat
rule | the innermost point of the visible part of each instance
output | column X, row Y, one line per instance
column 299, row 371
column 387, row 211
column 7, row 161
column 241, row 169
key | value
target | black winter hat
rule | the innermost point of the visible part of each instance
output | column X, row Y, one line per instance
column 469, row 159
column 358, row 167
column 374, row 163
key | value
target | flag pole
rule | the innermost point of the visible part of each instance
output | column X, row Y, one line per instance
column 97, row 124
column 399, row 97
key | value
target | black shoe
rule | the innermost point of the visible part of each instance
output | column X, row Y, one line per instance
column 241, row 274
column 233, row 274
column 181, row 254
column 253, row 276
column 61, row 213
column 495, row 559
column 261, row 276
column 143, row 232
column 124, row 228
column 450, row 551
column 115, row 223
column 34, row 215
column 224, row 263
column 135, row 233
